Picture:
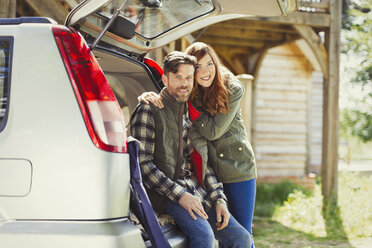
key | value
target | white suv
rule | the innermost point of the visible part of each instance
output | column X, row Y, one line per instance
column 64, row 165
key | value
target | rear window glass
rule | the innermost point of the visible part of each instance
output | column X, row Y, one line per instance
column 152, row 22
column 5, row 57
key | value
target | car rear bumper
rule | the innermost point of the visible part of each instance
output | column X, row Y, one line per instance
column 107, row 234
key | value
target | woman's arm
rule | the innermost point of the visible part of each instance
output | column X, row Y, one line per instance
column 150, row 96
column 213, row 127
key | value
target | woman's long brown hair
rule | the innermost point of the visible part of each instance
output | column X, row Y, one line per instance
column 214, row 99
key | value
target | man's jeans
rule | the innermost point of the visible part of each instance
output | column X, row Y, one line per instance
column 202, row 233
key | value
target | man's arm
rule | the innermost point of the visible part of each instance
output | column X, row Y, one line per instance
column 142, row 128
column 212, row 186
column 215, row 191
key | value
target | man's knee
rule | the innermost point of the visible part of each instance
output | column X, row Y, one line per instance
column 202, row 236
column 244, row 239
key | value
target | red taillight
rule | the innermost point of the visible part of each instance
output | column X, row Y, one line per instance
column 99, row 107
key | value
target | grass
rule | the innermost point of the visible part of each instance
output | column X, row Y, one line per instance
column 270, row 196
column 287, row 215
column 270, row 233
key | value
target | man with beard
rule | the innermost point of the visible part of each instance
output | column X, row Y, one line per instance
column 173, row 159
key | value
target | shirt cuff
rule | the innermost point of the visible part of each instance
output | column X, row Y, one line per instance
column 176, row 193
column 219, row 201
column 218, row 194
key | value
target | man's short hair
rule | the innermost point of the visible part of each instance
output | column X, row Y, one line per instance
column 176, row 58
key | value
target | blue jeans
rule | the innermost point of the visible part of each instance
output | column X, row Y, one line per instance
column 241, row 197
column 202, row 233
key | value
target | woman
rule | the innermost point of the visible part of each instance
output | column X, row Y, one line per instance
column 216, row 96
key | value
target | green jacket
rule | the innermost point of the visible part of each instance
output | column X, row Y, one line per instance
column 169, row 144
column 230, row 152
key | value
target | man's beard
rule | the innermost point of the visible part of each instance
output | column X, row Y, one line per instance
column 180, row 98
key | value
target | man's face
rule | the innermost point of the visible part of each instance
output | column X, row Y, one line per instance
column 179, row 84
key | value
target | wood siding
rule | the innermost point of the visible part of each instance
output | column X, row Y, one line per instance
column 280, row 127
column 316, row 120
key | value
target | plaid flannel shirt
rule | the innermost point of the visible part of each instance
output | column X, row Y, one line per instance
column 143, row 129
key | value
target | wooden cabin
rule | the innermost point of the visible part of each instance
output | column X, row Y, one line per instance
column 289, row 66
column 281, row 129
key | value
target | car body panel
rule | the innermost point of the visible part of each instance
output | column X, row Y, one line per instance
column 72, row 177
column 246, row 7
column 174, row 19
column 17, row 181
column 114, row 234
column 259, row 8
column 84, row 9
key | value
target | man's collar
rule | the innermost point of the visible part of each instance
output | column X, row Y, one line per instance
column 168, row 98
column 171, row 102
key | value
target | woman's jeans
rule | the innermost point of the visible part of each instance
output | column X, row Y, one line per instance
column 202, row 233
column 241, row 199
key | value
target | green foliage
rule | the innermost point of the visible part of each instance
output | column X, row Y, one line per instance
column 357, row 19
column 356, row 123
column 356, row 44
column 269, row 196
column 351, row 9
column 355, row 204
column 350, row 218
column 364, row 76
column 303, row 212
column 299, row 220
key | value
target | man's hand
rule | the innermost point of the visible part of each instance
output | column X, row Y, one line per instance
column 192, row 204
column 223, row 215
column 154, row 98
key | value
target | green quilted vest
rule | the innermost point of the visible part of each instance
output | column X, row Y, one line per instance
column 169, row 143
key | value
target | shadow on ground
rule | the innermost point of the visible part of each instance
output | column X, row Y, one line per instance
column 269, row 233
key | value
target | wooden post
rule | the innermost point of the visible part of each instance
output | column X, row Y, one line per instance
column 246, row 103
column 309, row 123
column 254, row 64
column 330, row 106
column 158, row 52
column 184, row 43
column 8, row 8
column 172, row 46
column 315, row 44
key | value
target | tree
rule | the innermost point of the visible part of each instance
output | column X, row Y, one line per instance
column 356, row 36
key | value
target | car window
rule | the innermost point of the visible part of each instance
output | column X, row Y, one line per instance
column 152, row 22
column 5, row 58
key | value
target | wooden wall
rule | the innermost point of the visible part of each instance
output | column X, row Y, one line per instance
column 315, row 122
column 282, row 102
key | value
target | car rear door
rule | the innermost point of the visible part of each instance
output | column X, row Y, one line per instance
column 140, row 26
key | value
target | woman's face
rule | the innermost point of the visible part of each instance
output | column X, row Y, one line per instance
column 205, row 71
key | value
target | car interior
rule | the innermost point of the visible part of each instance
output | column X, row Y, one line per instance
column 128, row 79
